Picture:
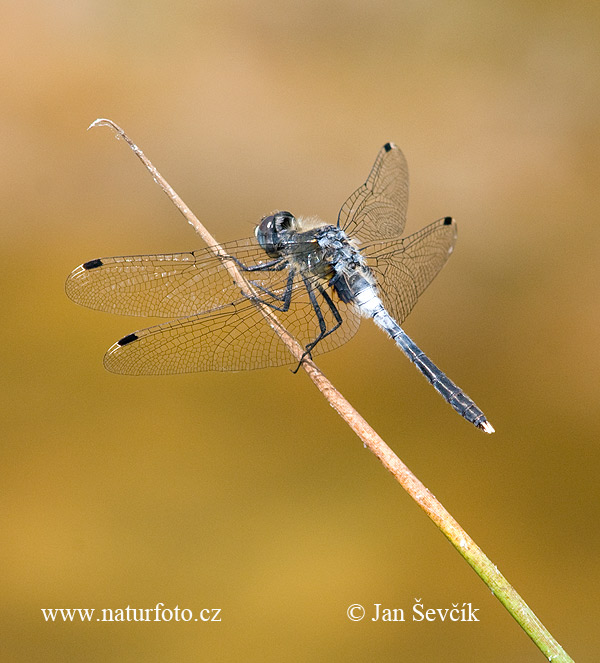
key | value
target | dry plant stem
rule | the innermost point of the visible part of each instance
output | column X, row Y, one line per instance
column 487, row 571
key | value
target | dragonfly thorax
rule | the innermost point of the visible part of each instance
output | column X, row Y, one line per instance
column 351, row 278
column 323, row 251
column 327, row 253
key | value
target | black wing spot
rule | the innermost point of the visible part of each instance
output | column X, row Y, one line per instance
column 92, row 264
column 448, row 221
column 127, row 339
column 387, row 147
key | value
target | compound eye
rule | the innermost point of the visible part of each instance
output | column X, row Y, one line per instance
column 266, row 225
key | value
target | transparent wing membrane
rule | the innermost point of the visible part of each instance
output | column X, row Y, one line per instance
column 165, row 285
column 232, row 338
column 377, row 209
column 405, row 267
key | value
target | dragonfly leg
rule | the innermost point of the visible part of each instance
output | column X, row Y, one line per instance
column 285, row 299
column 324, row 332
column 276, row 265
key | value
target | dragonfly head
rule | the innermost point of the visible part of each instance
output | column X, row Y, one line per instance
column 272, row 231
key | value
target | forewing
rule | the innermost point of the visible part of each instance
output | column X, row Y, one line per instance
column 377, row 210
column 231, row 338
column 405, row 267
column 166, row 285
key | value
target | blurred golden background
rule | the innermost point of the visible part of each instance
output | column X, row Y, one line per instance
column 244, row 491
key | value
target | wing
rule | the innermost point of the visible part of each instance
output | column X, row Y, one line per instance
column 167, row 285
column 377, row 210
column 231, row 338
column 405, row 267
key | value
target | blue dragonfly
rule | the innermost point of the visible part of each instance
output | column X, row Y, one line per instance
column 319, row 279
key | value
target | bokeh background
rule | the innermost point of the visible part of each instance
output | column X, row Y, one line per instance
column 244, row 491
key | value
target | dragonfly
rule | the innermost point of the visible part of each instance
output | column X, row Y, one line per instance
column 319, row 280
